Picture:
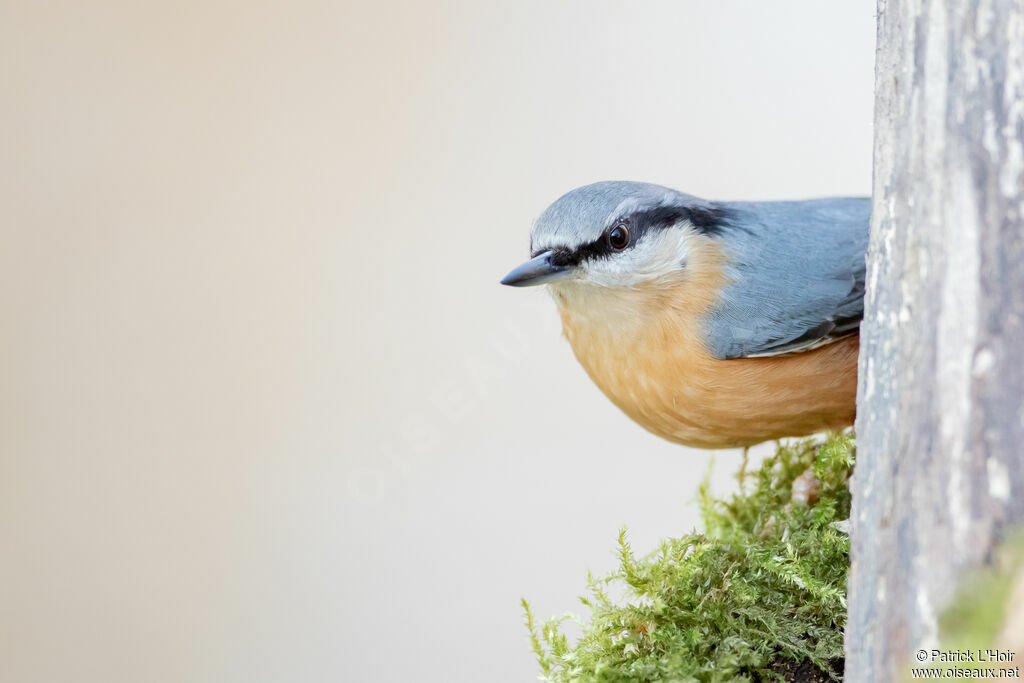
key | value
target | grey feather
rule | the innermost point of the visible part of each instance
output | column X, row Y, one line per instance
column 580, row 216
column 796, row 276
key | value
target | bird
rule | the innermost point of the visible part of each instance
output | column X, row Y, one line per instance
column 712, row 324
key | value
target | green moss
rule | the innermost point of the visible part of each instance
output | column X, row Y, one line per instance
column 982, row 614
column 978, row 612
column 759, row 596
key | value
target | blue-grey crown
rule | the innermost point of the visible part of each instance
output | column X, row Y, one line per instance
column 574, row 225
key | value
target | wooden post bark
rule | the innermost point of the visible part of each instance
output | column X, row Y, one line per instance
column 940, row 425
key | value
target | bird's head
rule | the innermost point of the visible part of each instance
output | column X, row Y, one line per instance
column 614, row 236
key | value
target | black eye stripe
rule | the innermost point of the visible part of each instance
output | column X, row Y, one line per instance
column 563, row 256
column 710, row 221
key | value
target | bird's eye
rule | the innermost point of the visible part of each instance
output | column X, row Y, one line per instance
column 618, row 237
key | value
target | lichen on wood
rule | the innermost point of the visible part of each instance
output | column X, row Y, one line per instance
column 940, row 415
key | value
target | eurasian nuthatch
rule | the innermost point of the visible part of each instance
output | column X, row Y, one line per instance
column 711, row 324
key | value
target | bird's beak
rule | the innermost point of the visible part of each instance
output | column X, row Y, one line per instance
column 536, row 271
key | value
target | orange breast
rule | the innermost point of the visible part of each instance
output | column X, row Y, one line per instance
column 647, row 355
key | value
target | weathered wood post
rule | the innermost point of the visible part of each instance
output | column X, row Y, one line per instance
column 940, row 425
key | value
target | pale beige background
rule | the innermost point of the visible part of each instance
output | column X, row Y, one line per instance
column 265, row 413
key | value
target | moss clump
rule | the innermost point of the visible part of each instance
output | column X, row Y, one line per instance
column 978, row 613
column 759, row 596
column 986, row 612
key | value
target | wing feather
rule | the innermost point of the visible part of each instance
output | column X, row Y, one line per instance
column 796, row 277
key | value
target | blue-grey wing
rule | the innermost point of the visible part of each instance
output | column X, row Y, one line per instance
column 795, row 276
